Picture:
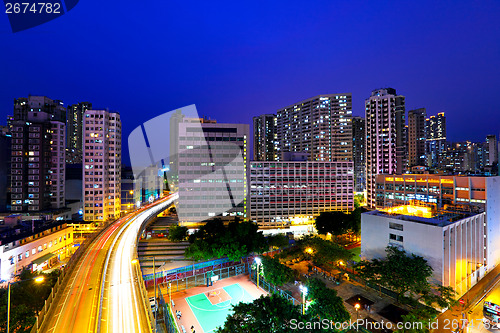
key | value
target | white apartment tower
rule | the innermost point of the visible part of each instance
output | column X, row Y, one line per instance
column 385, row 148
column 102, row 137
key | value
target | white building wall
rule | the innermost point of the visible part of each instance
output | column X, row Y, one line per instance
column 454, row 251
column 493, row 221
column 16, row 255
column 101, row 165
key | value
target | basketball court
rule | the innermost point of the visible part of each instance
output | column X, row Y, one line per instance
column 206, row 308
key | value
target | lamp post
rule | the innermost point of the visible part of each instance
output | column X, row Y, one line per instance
column 357, row 306
column 38, row 279
column 258, row 262
column 303, row 289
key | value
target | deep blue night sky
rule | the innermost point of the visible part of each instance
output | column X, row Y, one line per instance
column 236, row 59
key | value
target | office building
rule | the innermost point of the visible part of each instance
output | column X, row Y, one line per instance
column 385, row 148
column 102, row 165
column 74, row 131
column 396, row 190
column 456, row 244
column 416, row 137
column 320, row 126
column 265, row 138
column 173, row 159
column 285, row 193
column 212, row 170
column 38, row 146
column 358, row 152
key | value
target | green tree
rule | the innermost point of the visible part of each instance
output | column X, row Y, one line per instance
column 418, row 320
column 399, row 272
column 275, row 272
column 277, row 241
column 27, row 298
column 325, row 304
column 177, row 233
column 323, row 251
column 335, row 223
column 215, row 240
column 266, row 314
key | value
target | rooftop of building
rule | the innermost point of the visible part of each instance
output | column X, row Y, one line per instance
column 428, row 214
column 30, row 230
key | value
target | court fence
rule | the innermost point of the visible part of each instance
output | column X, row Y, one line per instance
column 182, row 282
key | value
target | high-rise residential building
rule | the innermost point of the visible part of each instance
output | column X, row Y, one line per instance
column 101, row 165
column 38, row 145
column 320, row 126
column 293, row 193
column 265, row 138
column 358, row 152
column 416, row 137
column 435, row 127
column 212, row 166
column 74, row 131
column 492, row 149
column 5, row 160
column 385, row 149
column 24, row 106
column 435, row 132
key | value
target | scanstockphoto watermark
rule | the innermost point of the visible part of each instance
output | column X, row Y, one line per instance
column 326, row 324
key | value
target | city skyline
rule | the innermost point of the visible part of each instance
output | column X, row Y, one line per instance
column 437, row 55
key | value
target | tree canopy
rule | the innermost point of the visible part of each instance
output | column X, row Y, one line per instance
column 216, row 240
column 406, row 274
column 177, row 233
column 27, row 298
column 338, row 223
column 323, row 251
column 271, row 313
column 277, row 241
column 275, row 272
column 265, row 314
column 325, row 303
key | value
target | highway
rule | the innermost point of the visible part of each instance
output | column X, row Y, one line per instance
column 103, row 293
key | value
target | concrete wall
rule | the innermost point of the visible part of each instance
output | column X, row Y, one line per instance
column 493, row 220
column 421, row 239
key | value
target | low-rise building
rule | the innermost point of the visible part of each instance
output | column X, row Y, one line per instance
column 456, row 244
column 38, row 250
column 288, row 193
column 396, row 190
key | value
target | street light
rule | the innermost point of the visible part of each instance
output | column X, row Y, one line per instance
column 357, row 306
column 303, row 289
column 38, row 279
column 309, row 250
column 258, row 262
